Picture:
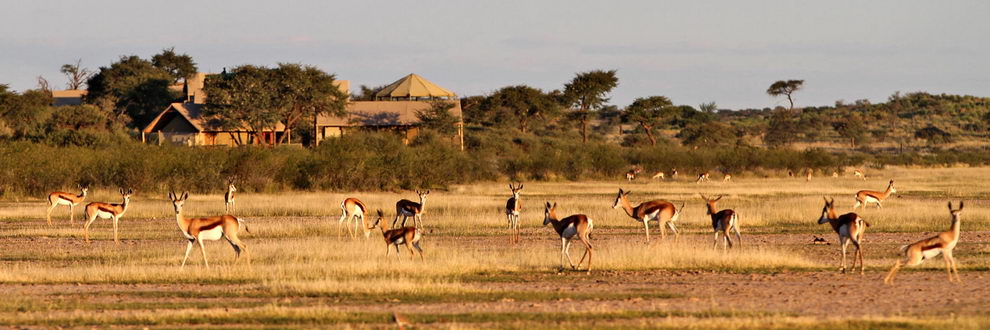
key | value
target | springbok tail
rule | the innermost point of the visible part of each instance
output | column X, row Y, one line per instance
column 903, row 248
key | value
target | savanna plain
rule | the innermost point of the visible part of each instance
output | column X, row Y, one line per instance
column 303, row 270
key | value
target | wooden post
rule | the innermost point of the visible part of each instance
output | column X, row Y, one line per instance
column 143, row 140
column 460, row 133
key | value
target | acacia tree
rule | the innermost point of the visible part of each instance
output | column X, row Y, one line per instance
column 305, row 92
column 243, row 98
column 76, row 74
column 648, row 113
column 523, row 104
column 179, row 66
column 588, row 91
column 786, row 88
column 131, row 86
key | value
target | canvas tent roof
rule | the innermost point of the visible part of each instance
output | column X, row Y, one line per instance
column 383, row 113
column 193, row 114
column 413, row 86
column 68, row 97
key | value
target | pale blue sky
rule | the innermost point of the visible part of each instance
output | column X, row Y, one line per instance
column 690, row 51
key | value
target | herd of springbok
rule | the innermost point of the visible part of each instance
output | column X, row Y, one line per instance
column 850, row 227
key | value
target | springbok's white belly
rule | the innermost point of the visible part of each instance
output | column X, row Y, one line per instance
column 512, row 212
column 104, row 215
column 931, row 253
column 211, row 235
column 870, row 199
column 406, row 212
column 62, row 202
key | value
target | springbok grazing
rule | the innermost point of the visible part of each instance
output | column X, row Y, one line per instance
column 63, row 198
column 632, row 173
column 408, row 236
column 353, row 209
column 930, row 247
column 407, row 208
column 567, row 228
column 108, row 211
column 865, row 197
column 859, row 174
column 722, row 222
column 228, row 197
column 726, row 178
column 660, row 210
column 198, row 230
column 850, row 228
column 512, row 208
column 703, row 177
column 659, row 175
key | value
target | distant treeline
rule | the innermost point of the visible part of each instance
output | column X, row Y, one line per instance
column 380, row 161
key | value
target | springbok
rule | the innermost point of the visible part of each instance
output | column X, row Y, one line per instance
column 108, row 211
column 512, row 208
column 673, row 174
column 835, row 174
column 722, row 222
column 631, row 174
column 567, row 228
column 930, row 247
column 850, row 228
column 727, row 177
column 353, row 209
column 703, row 177
column 807, row 175
column 228, row 197
column 408, row 236
column 63, row 198
column 660, row 210
column 860, row 174
column 865, row 197
column 198, row 230
column 659, row 175
column 407, row 208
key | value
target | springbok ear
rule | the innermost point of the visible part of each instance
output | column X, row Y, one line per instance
column 427, row 192
column 554, row 204
column 960, row 205
column 171, row 195
column 130, row 191
column 548, row 205
column 185, row 195
column 520, row 186
column 380, row 214
column 950, row 206
column 718, row 198
column 703, row 197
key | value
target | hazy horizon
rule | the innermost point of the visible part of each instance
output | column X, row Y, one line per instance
column 692, row 52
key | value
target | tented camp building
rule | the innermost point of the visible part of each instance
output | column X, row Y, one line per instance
column 396, row 107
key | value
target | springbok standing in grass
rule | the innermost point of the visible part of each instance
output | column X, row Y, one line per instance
column 108, row 211
column 659, row 175
column 578, row 225
column 930, row 247
column 850, row 228
column 660, row 210
column 807, row 175
column 408, row 236
column 63, row 198
column 407, row 208
column 860, row 174
column 512, row 208
column 228, row 197
column 631, row 174
column 722, row 222
column 673, row 174
column 355, row 210
column 198, row 230
column 703, row 177
column 726, row 178
column 790, row 173
column 865, row 197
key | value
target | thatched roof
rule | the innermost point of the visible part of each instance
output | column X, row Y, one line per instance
column 383, row 113
column 414, row 86
column 192, row 113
